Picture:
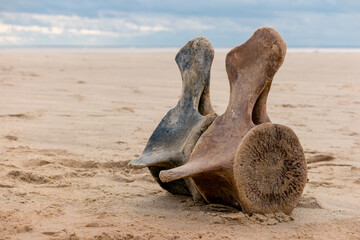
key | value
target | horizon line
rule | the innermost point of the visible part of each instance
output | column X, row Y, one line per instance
column 122, row 49
column 155, row 46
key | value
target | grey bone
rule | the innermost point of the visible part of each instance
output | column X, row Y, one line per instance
column 173, row 140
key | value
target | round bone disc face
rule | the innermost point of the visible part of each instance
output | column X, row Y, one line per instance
column 270, row 169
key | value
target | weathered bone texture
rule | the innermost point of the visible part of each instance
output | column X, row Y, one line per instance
column 251, row 68
column 175, row 137
column 270, row 169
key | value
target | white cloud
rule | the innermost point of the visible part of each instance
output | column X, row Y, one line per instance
column 10, row 29
column 119, row 25
column 73, row 25
column 301, row 28
column 9, row 40
column 90, row 32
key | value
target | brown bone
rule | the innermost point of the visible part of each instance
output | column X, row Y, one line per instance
column 173, row 140
column 220, row 152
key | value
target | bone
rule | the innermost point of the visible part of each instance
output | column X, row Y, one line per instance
column 270, row 170
column 173, row 140
column 259, row 114
column 215, row 158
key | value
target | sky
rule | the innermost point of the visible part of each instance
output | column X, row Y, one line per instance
column 169, row 23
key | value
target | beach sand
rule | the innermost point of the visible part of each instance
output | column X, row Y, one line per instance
column 70, row 123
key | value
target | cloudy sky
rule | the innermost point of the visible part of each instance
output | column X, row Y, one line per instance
column 171, row 23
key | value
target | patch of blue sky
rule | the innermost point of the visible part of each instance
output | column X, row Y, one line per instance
column 140, row 23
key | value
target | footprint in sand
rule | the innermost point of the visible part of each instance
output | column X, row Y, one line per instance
column 11, row 137
column 28, row 177
column 18, row 115
column 28, row 115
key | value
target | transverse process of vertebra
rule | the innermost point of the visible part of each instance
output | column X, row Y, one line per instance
column 240, row 158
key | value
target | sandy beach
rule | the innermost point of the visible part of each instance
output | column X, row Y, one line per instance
column 70, row 123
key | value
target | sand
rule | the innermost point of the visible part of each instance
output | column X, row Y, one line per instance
column 70, row 123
